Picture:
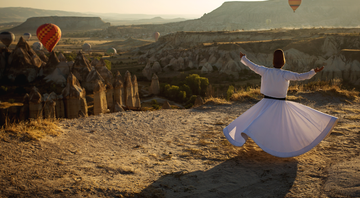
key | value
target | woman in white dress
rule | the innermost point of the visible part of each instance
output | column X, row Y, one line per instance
column 281, row 128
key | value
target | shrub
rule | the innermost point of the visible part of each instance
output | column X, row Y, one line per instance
column 229, row 92
column 204, row 85
column 108, row 64
column 97, row 55
column 182, row 96
column 188, row 106
column 197, row 84
column 193, row 80
column 156, row 106
column 187, row 90
column 173, row 92
column 70, row 56
column 191, row 101
column 163, row 87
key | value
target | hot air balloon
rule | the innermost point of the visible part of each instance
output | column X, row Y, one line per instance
column 49, row 35
column 7, row 38
column 156, row 36
column 86, row 47
column 294, row 4
column 111, row 51
column 37, row 46
column 27, row 36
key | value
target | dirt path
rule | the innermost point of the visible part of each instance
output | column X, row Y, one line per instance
column 178, row 153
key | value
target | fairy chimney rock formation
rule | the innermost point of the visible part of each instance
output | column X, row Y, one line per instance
column 147, row 71
column 23, row 61
column 62, row 58
column 155, row 85
column 136, row 95
column 49, row 106
column 109, row 95
column 81, row 67
column 91, row 79
column 118, row 108
column 100, row 104
column 60, row 107
column 74, row 98
column 35, row 104
column 42, row 56
column 63, row 66
column 51, row 64
column 156, row 67
column 107, row 77
column 129, row 97
column 24, row 111
column 166, row 105
column 4, row 56
column 119, row 90
column 104, row 71
column 94, row 62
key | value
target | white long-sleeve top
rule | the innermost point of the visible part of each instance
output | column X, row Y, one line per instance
column 275, row 82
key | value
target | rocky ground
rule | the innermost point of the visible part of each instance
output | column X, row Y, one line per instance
column 180, row 153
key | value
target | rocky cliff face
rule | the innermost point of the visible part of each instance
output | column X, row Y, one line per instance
column 65, row 23
column 23, row 62
column 209, row 51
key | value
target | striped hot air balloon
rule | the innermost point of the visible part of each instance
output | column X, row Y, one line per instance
column 294, row 4
column 7, row 38
column 37, row 46
column 27, row 36
column 49, row 35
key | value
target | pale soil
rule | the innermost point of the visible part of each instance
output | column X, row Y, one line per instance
column 180, row 153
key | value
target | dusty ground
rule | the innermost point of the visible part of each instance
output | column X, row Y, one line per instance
column 180, row 153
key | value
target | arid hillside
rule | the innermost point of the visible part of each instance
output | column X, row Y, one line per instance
column 270, row 14
column 65, row 23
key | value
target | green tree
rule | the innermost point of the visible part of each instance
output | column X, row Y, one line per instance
column 187, row 90
column 204, row 85
column 194, row 82
column 230, row 92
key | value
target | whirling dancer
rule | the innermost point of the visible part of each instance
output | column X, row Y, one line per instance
column 281, row 128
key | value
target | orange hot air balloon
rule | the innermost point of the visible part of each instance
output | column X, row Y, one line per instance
column 49, row 35
column 294, row 4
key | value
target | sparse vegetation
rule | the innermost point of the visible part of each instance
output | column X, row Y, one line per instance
column 217, row 101
column 230, row 92
column 34, row 129
column 330, row 88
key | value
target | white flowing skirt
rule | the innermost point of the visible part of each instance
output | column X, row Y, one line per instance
column 281, row 128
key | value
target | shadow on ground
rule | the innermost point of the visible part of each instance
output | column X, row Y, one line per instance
column 252, row 174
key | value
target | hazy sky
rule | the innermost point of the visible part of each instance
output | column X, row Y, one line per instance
column 164, row 7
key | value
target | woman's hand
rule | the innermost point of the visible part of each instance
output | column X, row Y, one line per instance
column 319, row 69
column 241, row 55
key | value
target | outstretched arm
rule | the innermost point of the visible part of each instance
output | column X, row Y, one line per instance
column 303, row 76
column 319, row 69
column 256, row 68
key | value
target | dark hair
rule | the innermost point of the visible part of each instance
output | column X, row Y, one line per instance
column 279, row 58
